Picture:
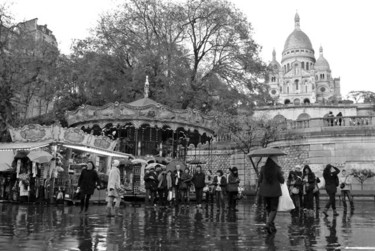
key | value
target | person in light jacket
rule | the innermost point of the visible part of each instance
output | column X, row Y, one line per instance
column 114, row 189
column 345, row 182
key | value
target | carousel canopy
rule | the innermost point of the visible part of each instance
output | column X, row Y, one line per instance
column 140, row 112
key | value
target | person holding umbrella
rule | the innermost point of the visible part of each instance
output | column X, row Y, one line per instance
column 87, row 182
column 270, row 179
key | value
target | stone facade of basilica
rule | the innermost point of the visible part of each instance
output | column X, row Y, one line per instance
column 300, row 78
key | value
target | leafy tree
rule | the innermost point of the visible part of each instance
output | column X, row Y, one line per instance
column 362, row 175
column 197, row 54
column 364, row 96
column 26, row 72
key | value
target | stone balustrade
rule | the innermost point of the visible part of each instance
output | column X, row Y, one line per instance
column 350, row 121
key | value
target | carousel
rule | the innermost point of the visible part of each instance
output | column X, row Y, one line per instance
column 145, row 127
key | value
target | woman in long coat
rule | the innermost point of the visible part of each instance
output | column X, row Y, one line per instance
column 332, row 181
column 87, row 182
column 308, row 189
column 114, row 189
column 270, row 179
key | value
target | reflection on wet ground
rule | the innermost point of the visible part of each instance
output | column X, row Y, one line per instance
column 24, row 227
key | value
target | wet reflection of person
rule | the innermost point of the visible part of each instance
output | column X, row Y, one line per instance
column 332, row 239
column 84, row 235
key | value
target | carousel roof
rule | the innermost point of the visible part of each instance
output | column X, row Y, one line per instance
column 143, row 102
column 139, row 112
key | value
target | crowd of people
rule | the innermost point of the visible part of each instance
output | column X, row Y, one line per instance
column 171, row 188
column 304, row 189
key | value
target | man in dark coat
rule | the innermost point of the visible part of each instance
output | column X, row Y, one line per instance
column 151, row 184
column 199, row 183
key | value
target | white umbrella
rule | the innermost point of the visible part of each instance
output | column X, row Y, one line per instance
column 141, row 161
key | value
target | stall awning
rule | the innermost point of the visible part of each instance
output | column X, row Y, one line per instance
column 6, row 159
column 29, row 146
column 99, row 151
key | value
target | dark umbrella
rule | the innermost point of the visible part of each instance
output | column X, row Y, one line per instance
column 266, row 152
column 196, row 162
column 172, row 166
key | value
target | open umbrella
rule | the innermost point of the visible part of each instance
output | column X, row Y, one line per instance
column 141, row 161
column 266, row 152
column 40, row 156
column 172, row 165
column 196, row 162
column 154, row 165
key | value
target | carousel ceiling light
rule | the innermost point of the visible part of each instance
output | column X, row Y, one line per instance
column 98, row 151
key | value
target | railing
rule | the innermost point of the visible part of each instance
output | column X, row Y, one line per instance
column 350, row 121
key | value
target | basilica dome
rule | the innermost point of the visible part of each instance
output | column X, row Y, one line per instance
column 297, row 39
column 322, row 63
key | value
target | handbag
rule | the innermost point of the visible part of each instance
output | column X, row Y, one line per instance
column 206, row 189
column 342, row 185
column 170, row 196
column 285, row 202
column 295, row 190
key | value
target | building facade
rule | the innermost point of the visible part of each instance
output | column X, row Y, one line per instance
column 300, row 78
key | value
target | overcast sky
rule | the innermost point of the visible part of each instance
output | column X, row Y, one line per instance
column 343, row 28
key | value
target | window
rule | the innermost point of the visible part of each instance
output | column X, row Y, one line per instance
column 284, row 68
column 303, row 65
column 288, row 66
column 322, row 89
column 296, row 83
column 307, row 66
column 321, row 76
column 273, row 79
column 273, row 92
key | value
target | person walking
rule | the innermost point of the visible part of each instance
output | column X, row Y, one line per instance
column 184, row 187
column 316, row 194
column 270, row 180
column 294, row 183
column 209, row 183
column 169, row 179
column 298, row 173
column 220, row 183
column 87, row 182
column 176, row 184
column 199, row 184
column 331, row 183
column 308, row 181
column 345, row 182
column 113, row 190
column 232, row 188
column 151, row 184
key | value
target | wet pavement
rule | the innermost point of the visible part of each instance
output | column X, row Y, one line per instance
column 33, row 227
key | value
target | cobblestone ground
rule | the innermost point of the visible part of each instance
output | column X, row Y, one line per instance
column 30, row 227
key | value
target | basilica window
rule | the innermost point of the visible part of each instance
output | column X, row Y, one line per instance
column 303, row 65
column 307, row 66
column 296, row 83
column 321, row 76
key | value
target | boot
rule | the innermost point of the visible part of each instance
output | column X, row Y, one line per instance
column 335, row 213
column 109, row 212
column 270, row 226
column 117, row 212
column 325, row 212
